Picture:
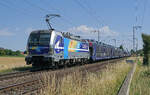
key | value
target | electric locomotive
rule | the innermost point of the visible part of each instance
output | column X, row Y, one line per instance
column 51, row 48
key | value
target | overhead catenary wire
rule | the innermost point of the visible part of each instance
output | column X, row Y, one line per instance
column 68, row 19
column 45, row 10
column 14, row 4
column 10, row 5
column 140, row 12
column 36, row 6
column 140, row 9
column 135, row 9
column 144, row 11
column 6, row 5
column 137, row 12
column 88, row 6
column 89, row 12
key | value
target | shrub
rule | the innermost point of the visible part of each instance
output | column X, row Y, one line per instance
column 146, row 49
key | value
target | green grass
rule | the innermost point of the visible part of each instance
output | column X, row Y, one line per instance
column 141, row 80
column 139, row 62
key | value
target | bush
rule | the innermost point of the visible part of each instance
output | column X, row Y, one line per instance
column 2, row 52
column 146, row 49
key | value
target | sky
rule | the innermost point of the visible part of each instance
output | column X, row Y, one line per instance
column 113, row 18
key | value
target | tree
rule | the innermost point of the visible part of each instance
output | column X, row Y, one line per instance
column 2, row 52
column 9, row 52
column 121, row 47
column 17, row 52
column 140, row 52
column 146, row 49
column 132, row 51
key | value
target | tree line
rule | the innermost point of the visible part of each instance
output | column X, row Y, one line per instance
column 8, row 52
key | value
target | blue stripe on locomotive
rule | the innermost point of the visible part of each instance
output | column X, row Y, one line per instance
column 66, row 44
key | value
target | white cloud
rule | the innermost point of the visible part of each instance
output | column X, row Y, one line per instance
column 82, row 28
column 106, row 31
column 5, row 32
column 88, row 32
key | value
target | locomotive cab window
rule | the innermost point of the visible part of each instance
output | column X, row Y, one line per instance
column 39, row 39
column 44, row 39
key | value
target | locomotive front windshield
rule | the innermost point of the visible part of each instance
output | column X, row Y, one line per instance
column 39, row 39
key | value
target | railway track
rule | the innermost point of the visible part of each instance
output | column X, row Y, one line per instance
column 15, row 89
column 34, row 85
column 13, row 75
column 20, row 74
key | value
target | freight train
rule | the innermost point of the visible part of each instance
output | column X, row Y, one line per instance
column 52, row 48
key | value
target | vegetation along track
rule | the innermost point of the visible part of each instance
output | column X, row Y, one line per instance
column 34, row 84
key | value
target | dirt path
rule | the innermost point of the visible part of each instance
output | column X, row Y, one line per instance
column 126, row 85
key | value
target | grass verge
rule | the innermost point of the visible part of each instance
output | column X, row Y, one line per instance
column 106, row 82
column 140, row 84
